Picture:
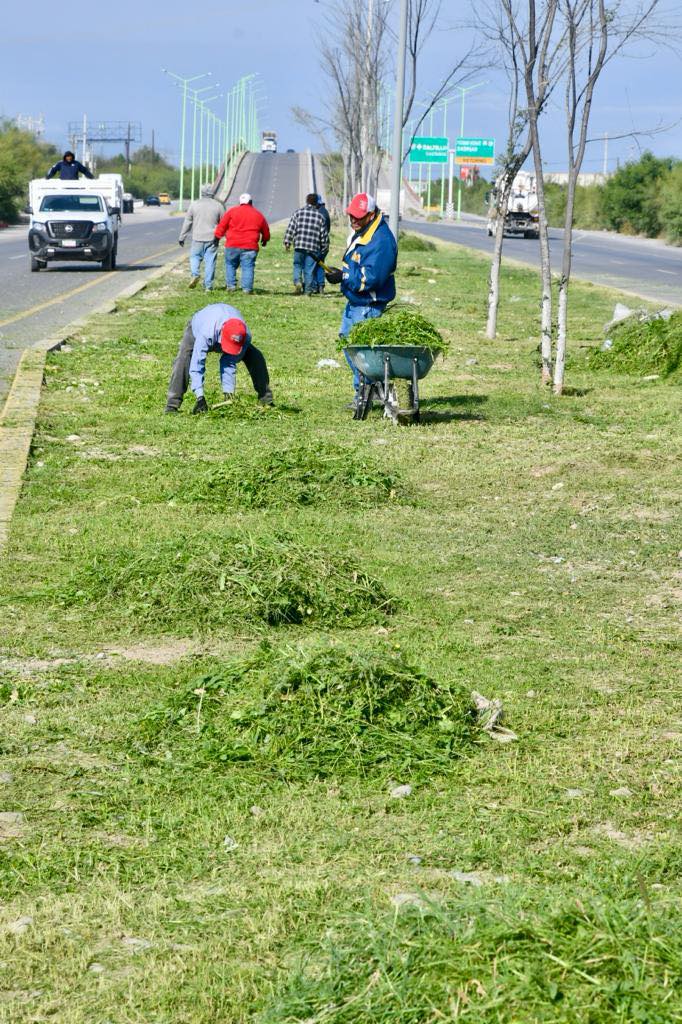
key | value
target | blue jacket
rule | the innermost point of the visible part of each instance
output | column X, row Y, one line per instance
column 369, row 263
column 68, row 172
column 206, row 327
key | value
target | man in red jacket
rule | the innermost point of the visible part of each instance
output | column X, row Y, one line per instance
column 243, row 226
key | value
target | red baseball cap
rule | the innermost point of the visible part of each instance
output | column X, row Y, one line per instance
column 233, row 336
column 360, row 205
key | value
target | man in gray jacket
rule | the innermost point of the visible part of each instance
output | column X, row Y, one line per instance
column 201, row 221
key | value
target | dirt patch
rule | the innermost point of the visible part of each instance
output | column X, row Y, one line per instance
column 152, row 653
column 630, row 840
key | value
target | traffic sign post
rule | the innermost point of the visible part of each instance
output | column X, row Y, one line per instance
column 474, row 151
column 429, row 149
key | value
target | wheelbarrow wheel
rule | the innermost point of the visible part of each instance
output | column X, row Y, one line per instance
column 364, row 401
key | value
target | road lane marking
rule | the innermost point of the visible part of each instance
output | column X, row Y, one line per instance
column 22, row 257
column 81, row 288
column 661, row 271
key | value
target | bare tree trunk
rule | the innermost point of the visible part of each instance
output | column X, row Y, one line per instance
column 545, row 260
column 496, row 265
column 562, row 321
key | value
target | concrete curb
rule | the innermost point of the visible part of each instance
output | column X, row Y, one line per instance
column 18, row 417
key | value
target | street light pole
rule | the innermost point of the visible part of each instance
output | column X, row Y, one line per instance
column 463, row 90
column 397, row 158
column 185, row 83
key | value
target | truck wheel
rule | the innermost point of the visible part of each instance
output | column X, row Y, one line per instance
column 109, row 263
column 37, row 265
column 490, row 232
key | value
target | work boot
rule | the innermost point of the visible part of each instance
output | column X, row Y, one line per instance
column 194, row 282
column 200, row 406
column 170, row 409
column 298, row 288
column 266, row 398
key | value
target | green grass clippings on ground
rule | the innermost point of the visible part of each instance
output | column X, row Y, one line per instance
column 240, row 778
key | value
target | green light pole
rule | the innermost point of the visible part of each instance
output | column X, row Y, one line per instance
column 184, row 82
column 442, row 177
column 195, row 100
column 463, row 90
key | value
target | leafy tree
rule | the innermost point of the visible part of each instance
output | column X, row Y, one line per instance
column 150, row 173
column 670, row 204
column 22, row 157
column 630, row 198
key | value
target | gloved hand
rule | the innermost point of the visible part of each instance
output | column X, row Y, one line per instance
column 200, row 406
column 287, row 246
column 334, row 275
column 181, row 241
column 263, row 244
column 214, row 243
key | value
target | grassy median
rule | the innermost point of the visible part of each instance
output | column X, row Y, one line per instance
column 242, row 779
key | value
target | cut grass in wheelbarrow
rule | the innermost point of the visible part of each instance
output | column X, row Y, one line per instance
column 319, row 710
column 392, row 353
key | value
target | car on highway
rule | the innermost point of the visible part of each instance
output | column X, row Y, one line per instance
column 152, row 201
column 291, row 151
column 164, row 199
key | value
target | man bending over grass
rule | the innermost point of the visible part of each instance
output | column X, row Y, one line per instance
column 216, row 328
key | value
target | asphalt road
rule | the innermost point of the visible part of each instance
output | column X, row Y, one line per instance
column 35, row 306
column 644, row 268
column 276, row 181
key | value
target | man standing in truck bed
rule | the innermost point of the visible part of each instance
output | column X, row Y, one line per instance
column 68, row 168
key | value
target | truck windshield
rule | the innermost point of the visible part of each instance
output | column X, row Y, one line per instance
column 71, row 204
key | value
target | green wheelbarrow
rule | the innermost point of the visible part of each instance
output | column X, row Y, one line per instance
column 379, row 367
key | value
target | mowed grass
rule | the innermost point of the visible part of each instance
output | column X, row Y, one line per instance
column 177, row 846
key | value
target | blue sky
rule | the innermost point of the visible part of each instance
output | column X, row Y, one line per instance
column 105, row 60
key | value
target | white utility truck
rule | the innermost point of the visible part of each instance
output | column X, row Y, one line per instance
column 522, row 212
column 268, row 142
column 75, row 220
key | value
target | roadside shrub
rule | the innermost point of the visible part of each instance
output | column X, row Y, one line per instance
column 642, row 345
column 305, row 474
column 185, row 584
column 671, row 204
column 320, row 710
column 398, row 326
column 630, row 197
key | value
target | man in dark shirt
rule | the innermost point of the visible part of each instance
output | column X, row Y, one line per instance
column 68, row 168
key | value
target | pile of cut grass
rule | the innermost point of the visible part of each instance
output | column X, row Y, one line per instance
column 428, row 960
column 414, row 243
column 305, row 474
column 194, row 582
column 642, row 344
column 398, row 326
column 319, row 711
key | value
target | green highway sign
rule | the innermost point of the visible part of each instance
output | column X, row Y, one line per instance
column 474, row 151
column 427, row 149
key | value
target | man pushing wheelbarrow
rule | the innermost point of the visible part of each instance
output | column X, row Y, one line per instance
column 367, row 278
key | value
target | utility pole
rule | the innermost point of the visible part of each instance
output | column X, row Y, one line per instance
column 605, row 168
column 397, row 158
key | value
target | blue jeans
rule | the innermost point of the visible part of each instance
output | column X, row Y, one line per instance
column 305, row 270
column 353, row 315
column 246, row 258
column 207, row 252
column 319, row 278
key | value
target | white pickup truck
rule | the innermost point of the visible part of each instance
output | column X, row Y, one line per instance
column 75, row 220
